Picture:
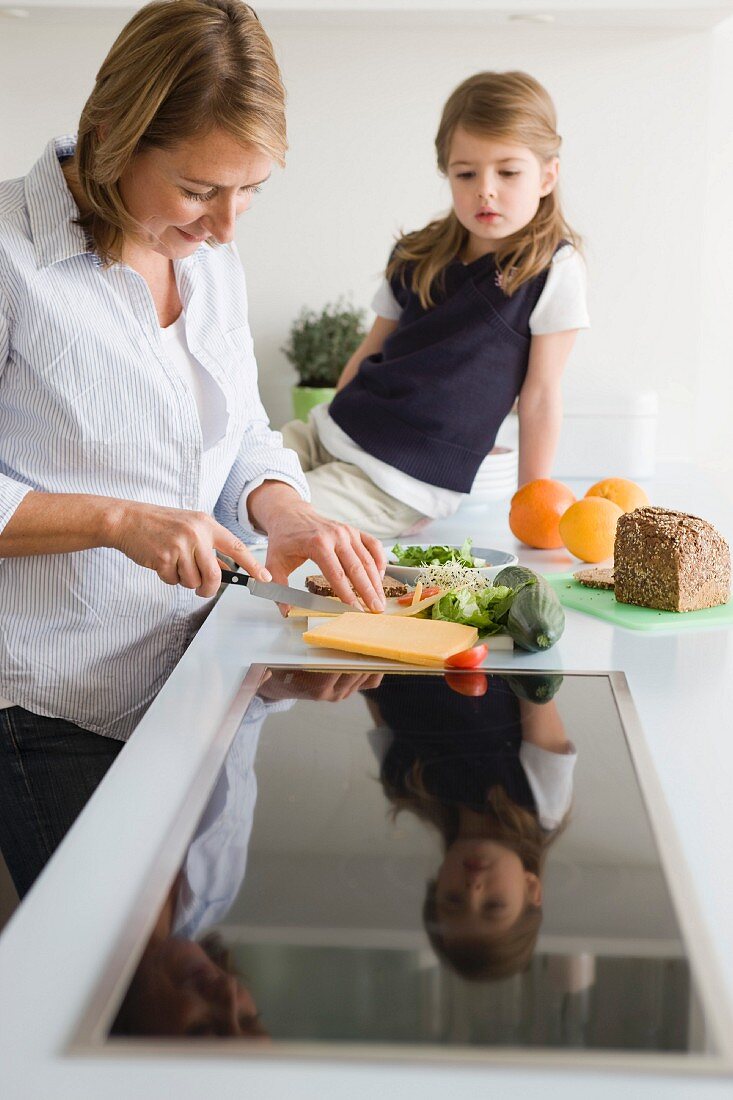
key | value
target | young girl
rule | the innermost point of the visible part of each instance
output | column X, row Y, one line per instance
column 477, row 308
column 493, row 774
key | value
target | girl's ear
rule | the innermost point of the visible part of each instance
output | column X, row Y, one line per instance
column 534, row 889
column 550, row 172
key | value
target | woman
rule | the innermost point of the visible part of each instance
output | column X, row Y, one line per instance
column 133, row 444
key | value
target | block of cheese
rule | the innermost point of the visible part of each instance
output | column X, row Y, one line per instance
column 305, row 613
column 308, row 613
column 494, row 641
column 415, row 641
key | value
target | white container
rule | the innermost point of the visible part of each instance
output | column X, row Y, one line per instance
column 608, row 435
column 603, row 435
column 497, row 475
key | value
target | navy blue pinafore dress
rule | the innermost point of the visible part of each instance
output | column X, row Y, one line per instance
column 432, row 401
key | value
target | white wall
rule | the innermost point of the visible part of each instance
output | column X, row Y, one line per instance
column 641, row 148
column 714, row 388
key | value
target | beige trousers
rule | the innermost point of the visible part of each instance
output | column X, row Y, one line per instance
column 345, row 493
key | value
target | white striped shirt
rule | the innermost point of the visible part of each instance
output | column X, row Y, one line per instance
column 90, row 403
column 214, row 865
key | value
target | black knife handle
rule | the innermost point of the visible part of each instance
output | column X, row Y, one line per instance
column 228, row 577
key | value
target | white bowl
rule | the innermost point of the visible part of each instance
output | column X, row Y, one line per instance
column 496, row 560
column 496, row 477
column 484, row 494
column 496, row 465
column 501, row 456
column 504, row 479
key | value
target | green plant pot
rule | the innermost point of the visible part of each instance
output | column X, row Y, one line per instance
column 306, row 398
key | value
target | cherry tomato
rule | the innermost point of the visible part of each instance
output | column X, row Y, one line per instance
column 468, row 683
column 406, row 600
column 468, row 658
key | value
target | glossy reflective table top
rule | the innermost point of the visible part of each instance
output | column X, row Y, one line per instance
column 400, row 863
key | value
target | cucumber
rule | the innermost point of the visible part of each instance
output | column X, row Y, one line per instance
column 536, row 689
column 535, row 620
column 514, row 575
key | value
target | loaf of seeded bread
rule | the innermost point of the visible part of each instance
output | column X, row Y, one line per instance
column 670, row 560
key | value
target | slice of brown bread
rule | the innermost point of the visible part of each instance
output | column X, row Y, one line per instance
column 595, row 578
column 319, row 586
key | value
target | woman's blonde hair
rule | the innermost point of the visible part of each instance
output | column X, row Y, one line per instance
column 178, row 68
column 504, row 106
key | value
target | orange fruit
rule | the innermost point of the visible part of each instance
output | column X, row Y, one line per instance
column 627, row 494
column 588, row 528
column 535, row 511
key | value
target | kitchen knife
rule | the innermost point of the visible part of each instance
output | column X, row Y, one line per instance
column 280, row 593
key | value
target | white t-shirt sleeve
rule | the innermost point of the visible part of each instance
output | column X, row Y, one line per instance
column 385, row 304
column 550, row 776
column 562, row 303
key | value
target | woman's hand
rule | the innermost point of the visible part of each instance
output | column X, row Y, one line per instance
column 296, row 532
column 180, row 546
column 328, row 687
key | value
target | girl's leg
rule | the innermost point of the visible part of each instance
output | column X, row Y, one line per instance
column 303, row 439
column 343, row 492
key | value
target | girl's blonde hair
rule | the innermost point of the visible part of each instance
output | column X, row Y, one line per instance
column 504, row 106
column 178, row 68
column 507, row 823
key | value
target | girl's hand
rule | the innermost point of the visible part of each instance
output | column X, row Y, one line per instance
column 180, row 546
column 346, row 557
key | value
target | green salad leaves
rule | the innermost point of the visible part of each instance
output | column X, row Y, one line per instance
column 470, row 599
column 437, row 555
column 486, row 609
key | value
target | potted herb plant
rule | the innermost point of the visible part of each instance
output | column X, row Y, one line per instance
column 319, row 347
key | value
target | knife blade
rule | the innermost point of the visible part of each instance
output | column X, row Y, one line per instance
column 280, row 593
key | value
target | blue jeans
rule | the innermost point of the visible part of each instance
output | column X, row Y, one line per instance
column 49, row 769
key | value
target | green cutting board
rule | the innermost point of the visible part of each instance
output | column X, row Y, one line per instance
column 602, row 603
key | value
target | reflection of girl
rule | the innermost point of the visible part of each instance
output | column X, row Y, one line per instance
column 493, row 774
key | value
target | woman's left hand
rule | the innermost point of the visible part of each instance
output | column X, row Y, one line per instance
column 350, row 560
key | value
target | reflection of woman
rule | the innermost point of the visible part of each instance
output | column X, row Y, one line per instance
column 133, row 443
column 216, row 860
column 185, row 987
column 493, row 774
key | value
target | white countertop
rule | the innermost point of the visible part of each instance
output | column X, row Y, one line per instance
column 51, row 951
